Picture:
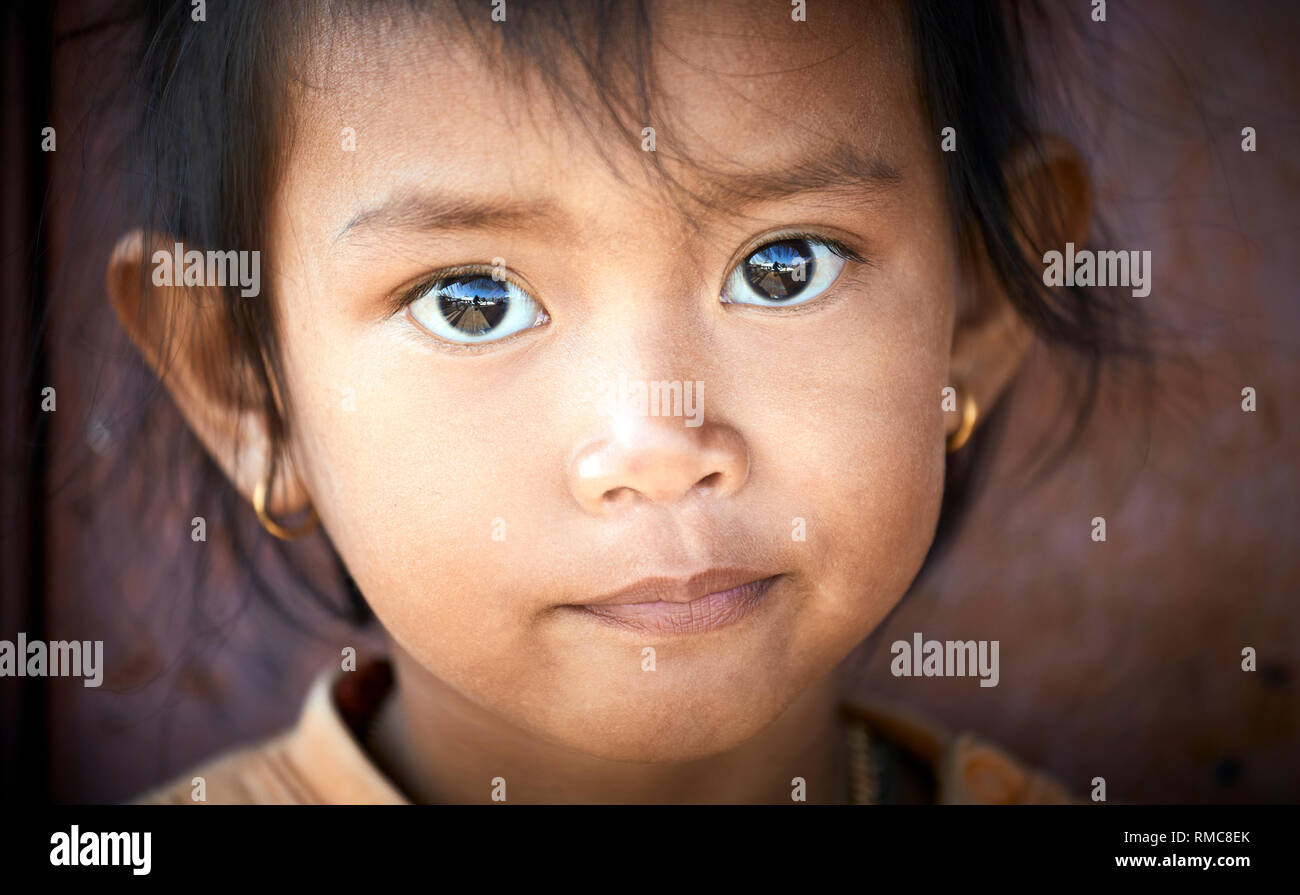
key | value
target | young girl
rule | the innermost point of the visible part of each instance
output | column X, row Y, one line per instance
column 633, row 358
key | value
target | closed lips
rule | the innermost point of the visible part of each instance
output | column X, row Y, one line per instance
column 679, row 589
column 667, row 606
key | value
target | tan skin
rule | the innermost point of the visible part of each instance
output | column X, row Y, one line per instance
column 829, row 411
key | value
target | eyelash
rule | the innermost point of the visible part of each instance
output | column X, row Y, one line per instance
column 839, row 248
column 405, row 297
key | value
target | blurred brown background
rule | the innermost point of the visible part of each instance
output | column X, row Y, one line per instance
column 1119, row 659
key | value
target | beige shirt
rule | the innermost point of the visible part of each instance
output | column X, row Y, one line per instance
column 320, row 760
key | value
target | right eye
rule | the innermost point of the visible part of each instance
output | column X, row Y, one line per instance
column 787, row 271
column 470, row 308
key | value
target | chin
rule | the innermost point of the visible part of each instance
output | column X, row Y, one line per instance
column 673, row 727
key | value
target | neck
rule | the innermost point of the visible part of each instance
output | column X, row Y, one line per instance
column 441, row 748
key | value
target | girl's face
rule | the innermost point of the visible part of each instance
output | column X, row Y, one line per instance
column 477, row 466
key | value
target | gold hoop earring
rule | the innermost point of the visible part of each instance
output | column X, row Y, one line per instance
column 275, row 528
column 969, row 413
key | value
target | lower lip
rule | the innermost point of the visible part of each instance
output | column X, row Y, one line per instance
column 707, row 613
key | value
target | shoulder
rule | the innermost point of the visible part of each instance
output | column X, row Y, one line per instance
column 261, row 774
column 317, row 761
column 921, row 760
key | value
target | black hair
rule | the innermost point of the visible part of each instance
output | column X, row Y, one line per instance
column 209, row 141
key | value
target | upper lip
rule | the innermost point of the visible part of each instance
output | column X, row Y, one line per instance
column 679, row 589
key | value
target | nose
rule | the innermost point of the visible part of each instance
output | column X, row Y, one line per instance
column 657, row 460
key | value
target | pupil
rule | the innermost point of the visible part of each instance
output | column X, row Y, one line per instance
column 782, row 269
column 473, row 304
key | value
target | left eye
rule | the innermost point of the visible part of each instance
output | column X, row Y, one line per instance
column 470, row 308
column 787, row 271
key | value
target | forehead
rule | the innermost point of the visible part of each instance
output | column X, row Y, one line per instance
column 732, row 88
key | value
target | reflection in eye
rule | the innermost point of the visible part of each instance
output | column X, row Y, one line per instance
column 788, row 271
column 473, row 307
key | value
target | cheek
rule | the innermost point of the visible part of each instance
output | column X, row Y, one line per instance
column 848, row 436
column 414, row 482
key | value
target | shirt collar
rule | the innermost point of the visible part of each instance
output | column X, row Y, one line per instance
column 325, row 743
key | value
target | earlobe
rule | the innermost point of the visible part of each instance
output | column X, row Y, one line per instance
column 185, row 336
column 986, row 355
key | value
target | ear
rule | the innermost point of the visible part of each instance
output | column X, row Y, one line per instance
column 186, row 334
column 1050, row 191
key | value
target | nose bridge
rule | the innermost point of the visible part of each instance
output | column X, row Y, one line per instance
column 653, row 432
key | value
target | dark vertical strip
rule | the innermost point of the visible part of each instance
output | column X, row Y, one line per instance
column 24, row 715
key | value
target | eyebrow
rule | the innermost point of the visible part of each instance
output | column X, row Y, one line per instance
column 843, row 170
column 410, row 209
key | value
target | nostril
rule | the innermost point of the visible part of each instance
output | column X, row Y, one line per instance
column 615, row 496
column 709, row 482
